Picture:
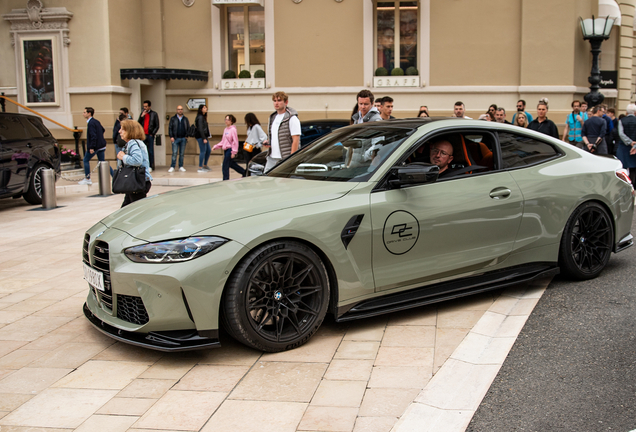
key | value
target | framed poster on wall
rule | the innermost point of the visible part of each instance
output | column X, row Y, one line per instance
column 39, row 71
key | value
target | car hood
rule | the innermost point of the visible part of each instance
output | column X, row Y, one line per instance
column 188, row 211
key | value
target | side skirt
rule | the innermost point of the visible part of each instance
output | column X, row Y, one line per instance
column 446, row 291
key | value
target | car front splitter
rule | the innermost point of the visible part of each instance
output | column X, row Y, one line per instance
column 170, row 341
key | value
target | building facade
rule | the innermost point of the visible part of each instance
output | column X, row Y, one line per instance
column 59, row 56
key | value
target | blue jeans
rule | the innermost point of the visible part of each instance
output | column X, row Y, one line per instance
column 178, row 144
column 87, row 158
column 204, row 152
column 150, row 144
column 228, row 163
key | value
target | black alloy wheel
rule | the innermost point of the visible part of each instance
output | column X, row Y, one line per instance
column 587, row 242
column 277, row 297
column 33, row 194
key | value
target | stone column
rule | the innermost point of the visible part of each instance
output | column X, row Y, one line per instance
column 626, row 53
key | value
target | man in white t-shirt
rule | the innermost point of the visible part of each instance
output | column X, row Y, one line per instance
column 283, row 131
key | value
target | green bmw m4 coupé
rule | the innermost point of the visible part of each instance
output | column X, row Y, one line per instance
column 369, row 219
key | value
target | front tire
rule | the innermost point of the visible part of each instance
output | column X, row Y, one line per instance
column 587, row 242
column 277, row 297
column 33, row 194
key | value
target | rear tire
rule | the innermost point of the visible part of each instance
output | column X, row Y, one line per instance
column 587, row 242
column 33, row 194
column 277, row 297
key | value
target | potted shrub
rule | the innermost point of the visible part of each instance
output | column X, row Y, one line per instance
column 381, row 71
column 67, row 155
column 245, row 74
column 412, row 70
column 259, row 74
column 229, row 74
column 397, row 71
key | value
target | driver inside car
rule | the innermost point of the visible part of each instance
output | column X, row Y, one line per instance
column 441, row 153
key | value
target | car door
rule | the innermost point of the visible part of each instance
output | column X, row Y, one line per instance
column 440, row 230
column 14, row 154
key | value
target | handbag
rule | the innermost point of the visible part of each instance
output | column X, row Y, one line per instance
column 248, row 147
column 192, row 131
column 129, row 179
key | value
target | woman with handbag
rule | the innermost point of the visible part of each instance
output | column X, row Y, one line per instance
column 202, row 134
column 229, row 144
column 255, row 137
column 134, row 154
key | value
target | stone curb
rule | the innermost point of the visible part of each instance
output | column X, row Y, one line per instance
column 451, row 397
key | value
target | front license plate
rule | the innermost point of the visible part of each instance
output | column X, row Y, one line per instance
column 94, row 277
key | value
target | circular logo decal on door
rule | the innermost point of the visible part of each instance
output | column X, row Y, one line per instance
column 401, row 231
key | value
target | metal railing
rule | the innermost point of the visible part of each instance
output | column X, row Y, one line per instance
column 77, row 133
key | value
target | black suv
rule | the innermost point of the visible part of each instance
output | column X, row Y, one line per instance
column 26, row 148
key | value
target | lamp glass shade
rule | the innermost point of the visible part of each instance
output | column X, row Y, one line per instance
column 599, row 27
column 609, row 23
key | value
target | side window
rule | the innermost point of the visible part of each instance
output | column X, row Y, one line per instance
column 458, row 153
column 519, row 151
column 11, row 128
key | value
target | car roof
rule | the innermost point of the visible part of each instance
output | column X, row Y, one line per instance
column 6, row 114
column 318, row 122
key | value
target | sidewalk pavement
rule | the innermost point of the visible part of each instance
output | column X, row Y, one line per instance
column 68, row 183
column 425, row 369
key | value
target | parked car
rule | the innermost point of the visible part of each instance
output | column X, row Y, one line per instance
column 358, row 224
column 26, row 148
column 310, row 131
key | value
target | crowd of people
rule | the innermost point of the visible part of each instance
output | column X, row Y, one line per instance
column 595, row 129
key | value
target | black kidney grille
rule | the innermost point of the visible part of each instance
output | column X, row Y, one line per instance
column 131, row 309
column 101, row 262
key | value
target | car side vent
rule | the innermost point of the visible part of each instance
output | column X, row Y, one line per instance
column 350, row 229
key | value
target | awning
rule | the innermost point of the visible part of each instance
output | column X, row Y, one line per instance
column 164, row 74
column 609, row 8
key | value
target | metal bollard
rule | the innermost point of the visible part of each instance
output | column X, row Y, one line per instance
column 49, row 200
column 103, row 169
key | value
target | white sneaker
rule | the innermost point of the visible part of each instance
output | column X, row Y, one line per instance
column 201, row 170
column 149, row 169
column 182, row 169
column 85, row 181
column 171, row 169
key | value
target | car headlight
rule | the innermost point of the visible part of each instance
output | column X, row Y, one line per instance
column 174, row 250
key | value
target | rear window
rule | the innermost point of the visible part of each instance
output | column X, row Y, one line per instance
column 519, row 151
column 11, row 128
column 37, row 123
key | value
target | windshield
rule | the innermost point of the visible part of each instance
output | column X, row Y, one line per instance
column 349, row 154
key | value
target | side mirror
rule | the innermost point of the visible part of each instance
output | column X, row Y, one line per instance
column 413, row 174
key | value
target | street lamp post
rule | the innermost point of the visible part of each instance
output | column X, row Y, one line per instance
column 596, row 31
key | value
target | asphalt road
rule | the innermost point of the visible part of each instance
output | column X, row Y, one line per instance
column 573, row 367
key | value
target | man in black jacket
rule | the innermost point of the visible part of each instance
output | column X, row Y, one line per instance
column 149, row 120
column 95, row 143
column 594, row 131
column 178, row 132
